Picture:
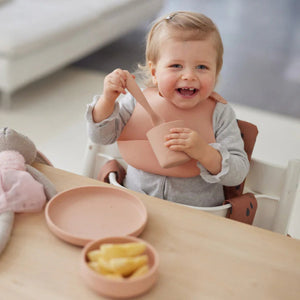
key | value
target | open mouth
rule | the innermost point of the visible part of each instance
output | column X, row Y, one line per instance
column 187, row 91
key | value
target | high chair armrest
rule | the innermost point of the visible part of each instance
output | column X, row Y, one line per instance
column 243, row 208
column 112, row 177
column 109, row 167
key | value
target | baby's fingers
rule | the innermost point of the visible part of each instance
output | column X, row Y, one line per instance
column 175, row 145
column 178, row 133
column 176, row 136
column 175, row 139
column 117, row 88
column 180, row 130
column 118, row 77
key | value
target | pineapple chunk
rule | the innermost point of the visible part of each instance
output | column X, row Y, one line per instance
column 98, row 268
column 94, row 255
column 119, row 260
column 105, row 265
column 140, row 271
column 109, row 251
column 93, row 265
column 127, row 265
column 103, row 271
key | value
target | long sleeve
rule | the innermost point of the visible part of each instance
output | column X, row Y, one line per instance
column 229, row 143
column 108, row 131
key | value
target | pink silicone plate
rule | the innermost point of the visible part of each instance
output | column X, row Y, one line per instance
column 87, row 213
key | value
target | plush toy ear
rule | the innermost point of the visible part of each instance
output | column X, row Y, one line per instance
column 12, row 140
column 41, row 158
column 49, row 188
column 6, row 225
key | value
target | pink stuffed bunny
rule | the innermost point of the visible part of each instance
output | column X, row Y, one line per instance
column 19, row 191
column 22, row 187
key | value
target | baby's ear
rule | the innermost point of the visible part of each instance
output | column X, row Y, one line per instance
column 152, row 68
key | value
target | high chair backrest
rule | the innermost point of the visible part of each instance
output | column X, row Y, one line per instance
column 249, row 133
column 276, row 189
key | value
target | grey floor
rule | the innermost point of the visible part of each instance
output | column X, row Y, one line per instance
column 262, row 51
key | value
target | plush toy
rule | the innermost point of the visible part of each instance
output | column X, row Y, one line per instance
column 22, row 187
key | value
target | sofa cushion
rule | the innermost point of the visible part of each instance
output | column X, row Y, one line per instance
column 31, row 24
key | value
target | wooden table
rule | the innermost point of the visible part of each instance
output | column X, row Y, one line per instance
column 201, row 256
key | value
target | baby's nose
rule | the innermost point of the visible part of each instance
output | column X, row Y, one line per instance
column 188, row 75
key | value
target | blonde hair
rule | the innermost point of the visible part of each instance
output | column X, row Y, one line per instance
column 190, row 26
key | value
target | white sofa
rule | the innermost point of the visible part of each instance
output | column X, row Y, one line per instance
column 39, row 37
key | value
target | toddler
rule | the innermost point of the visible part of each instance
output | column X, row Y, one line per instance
column 184, row 56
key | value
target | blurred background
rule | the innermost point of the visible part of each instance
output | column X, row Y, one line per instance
column 262, row 51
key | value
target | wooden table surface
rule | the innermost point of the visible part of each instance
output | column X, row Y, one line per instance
column 201, row 256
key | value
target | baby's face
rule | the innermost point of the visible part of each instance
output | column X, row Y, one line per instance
column 185, row 72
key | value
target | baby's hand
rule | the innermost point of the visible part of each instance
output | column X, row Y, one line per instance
column 186, row 140
column 190, row 142
column 115, row 84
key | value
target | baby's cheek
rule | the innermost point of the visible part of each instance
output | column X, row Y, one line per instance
column 208, row 86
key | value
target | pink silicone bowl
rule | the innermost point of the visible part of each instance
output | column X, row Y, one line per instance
column 119, row 288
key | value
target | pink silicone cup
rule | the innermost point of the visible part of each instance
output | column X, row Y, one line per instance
column 166, row 157
column 87, row 213
column 119, row 288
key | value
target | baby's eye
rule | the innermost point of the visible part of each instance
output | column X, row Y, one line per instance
column 176, row 66
column 202, row 67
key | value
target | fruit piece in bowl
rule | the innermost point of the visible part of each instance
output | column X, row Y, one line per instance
column 119, row 267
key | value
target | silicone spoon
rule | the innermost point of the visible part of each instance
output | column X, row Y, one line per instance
column 136, row 92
